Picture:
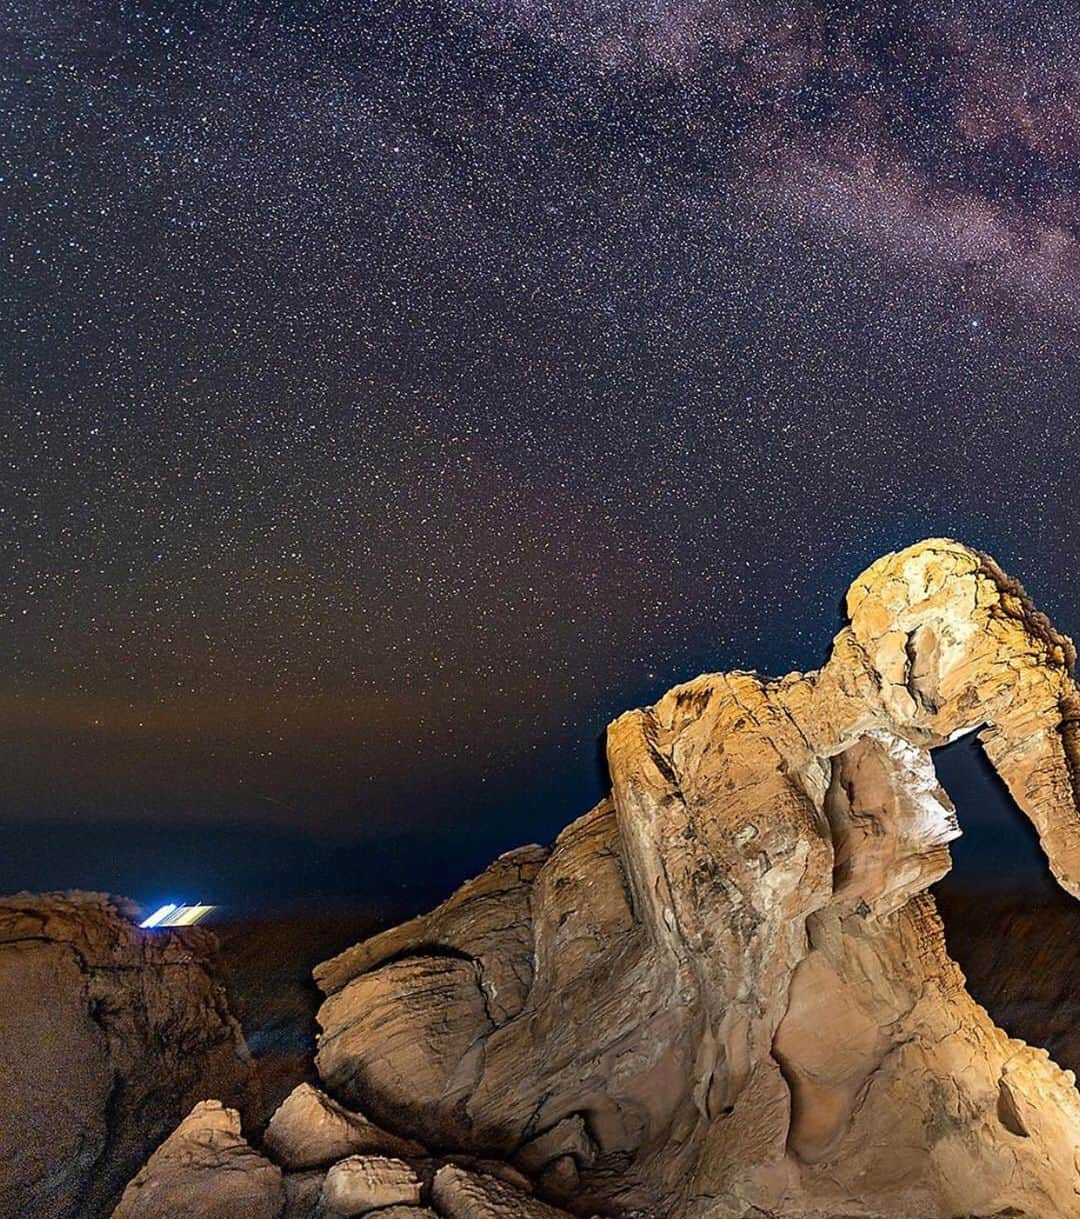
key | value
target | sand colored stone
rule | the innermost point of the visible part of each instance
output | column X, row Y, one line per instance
column 458, row 1194
column 359, row 1184
column 308, row 1129
column 205, row 1170
column 730, row 974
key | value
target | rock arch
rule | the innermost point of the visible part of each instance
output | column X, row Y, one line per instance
column 724, row 992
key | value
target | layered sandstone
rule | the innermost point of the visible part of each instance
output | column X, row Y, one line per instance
column 724, row 992
column 308, row 1130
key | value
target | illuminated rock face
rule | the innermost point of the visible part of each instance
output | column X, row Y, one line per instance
column 724, row 992
column 205, row 1170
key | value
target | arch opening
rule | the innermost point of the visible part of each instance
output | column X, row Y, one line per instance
column 1012, row 930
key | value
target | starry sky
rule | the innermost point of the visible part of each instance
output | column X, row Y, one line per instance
column 393, row 393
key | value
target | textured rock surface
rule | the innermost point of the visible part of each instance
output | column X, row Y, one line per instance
column 730, row 974
column 205, row 1170
column 407, row 1046
column 407, row 1212
column 108, row 1036
column 309, row 1129
column 493, row 1168
column 489, row 916
column 360, row 1184
column 458, row 1194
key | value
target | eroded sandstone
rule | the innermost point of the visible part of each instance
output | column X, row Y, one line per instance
column 724, row 992
column 205, row 1170
column 458, row 1194
column 739, row 988
column 359, row 1184
column 309, row 1130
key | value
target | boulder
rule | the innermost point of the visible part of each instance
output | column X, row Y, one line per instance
column 109, row 1035
column 309, row 1130
column 359, row 1184
column 402, row 1043
column 489, row 914
column 406, row 1212
column 492, row 1168
column 459, row 1194
column 205, row 1170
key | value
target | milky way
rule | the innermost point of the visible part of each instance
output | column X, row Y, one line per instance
column 392, row 394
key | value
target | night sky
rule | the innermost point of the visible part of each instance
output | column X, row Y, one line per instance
column 392, row 394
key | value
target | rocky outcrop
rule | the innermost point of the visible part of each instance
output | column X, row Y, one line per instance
column 205, row 1170
column 109, row 1035
column 724, row 993
column 486, row 920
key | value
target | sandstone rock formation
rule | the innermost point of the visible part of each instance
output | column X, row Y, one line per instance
column 724, row 992
column 730, row 973
column 309, row 1130
column 359, row 1184
column 458, row 1194
column 108, row 1035
column 205, row 1170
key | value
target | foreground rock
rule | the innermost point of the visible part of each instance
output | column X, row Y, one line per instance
column 360, row 1184
column 205, row 1170
column 730, row 976
column 309, row 1130
column 458, row 1194
column 108, row 1036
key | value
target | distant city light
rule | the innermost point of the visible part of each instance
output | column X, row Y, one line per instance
column 174, row 915
column 187, row 916
column 162, row 912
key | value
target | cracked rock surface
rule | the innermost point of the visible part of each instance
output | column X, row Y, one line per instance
column 108, row 1037
column 724, row 992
